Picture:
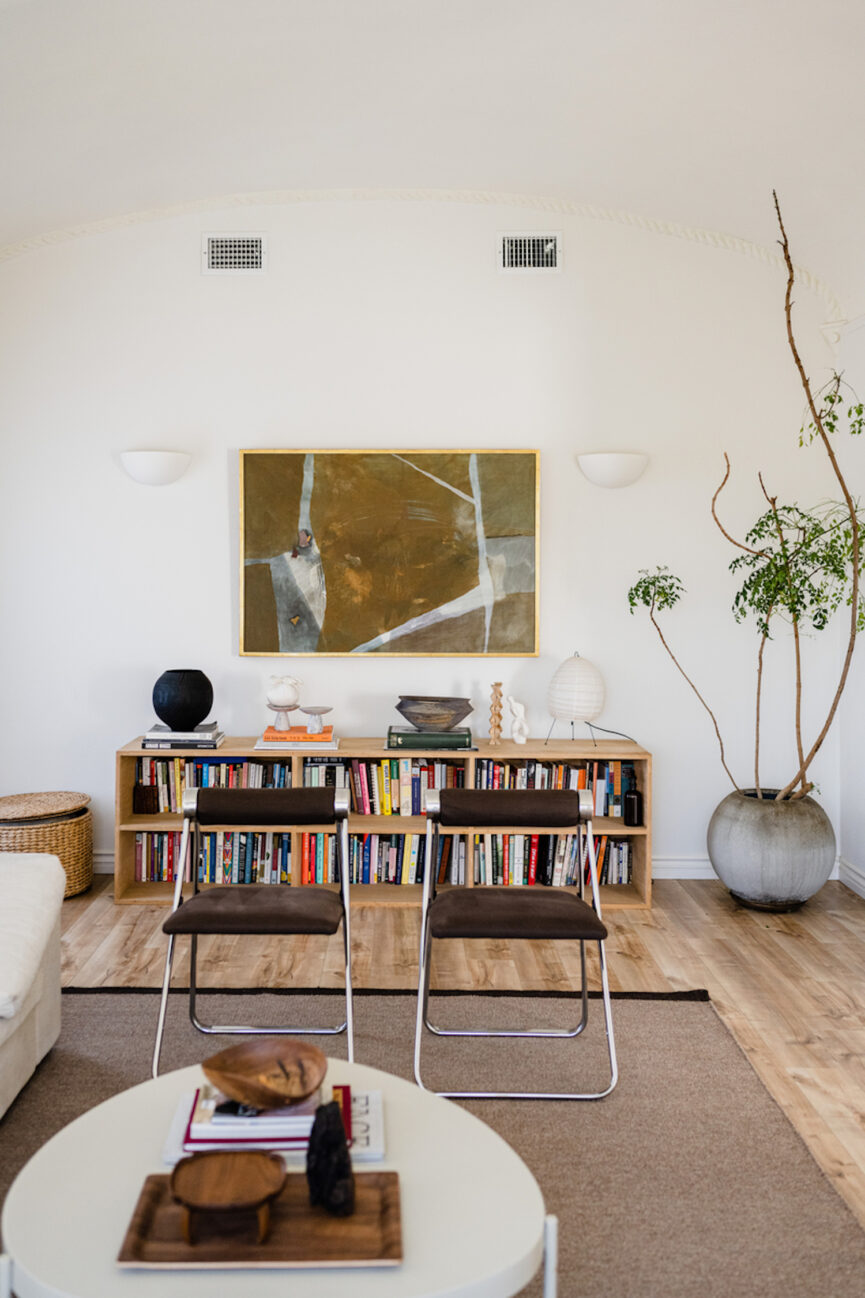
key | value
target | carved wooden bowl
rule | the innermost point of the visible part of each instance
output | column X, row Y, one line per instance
column 267, row 1072
column 231, row 1184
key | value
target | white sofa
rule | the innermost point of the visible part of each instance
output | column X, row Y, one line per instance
column 31, row 894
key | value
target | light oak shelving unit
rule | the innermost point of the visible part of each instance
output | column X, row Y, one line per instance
column 637, row 893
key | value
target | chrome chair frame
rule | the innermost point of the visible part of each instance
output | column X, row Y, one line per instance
column 584, row 827
column 191, row 834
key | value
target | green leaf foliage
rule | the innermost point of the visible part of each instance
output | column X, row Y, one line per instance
column 831, row 411
column 799, row 569
column 655, row 590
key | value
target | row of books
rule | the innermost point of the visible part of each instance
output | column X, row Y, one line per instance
column 385, row 787
column 554, row 860
column 391, row 786
column 609, row 781
column 508, row 859
column 226, row 857
column 166, row 778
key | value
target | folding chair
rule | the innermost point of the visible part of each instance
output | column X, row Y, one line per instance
column 514, row 912
column 257, row 909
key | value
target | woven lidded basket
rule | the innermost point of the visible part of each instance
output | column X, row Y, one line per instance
column 60, row 823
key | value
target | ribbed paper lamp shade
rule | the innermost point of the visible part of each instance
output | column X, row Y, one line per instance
column 576, row 691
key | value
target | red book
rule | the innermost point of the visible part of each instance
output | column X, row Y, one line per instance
column 506, row 859
column 533, row 858
column 304, row 858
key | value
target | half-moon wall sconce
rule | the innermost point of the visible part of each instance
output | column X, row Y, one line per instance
column 612, row 468
column 155, row 468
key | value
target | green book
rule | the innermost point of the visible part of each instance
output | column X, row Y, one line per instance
column 408, row 737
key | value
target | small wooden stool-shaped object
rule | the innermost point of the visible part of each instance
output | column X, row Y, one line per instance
column 228, row 1183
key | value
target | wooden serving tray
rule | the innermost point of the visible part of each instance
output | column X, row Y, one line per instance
column 300, row 1235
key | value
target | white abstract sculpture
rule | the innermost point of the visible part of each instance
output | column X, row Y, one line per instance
column 519, row 725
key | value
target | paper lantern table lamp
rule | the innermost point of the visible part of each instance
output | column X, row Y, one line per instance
column 576, row 692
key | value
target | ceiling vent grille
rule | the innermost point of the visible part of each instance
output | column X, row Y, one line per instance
column 233, row 254
column 534, row 252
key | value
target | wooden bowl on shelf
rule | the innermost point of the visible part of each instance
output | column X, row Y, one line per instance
column 267, row 1072
column 433, row 711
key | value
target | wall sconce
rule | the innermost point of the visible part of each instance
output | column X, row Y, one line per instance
column 155, row 468
column 576, row 692
column 612, row 468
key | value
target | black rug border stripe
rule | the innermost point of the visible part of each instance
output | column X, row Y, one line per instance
column 695, row 994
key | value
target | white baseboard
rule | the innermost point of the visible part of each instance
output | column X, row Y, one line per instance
column 682, row 867
column 852, row 876
column 103, row 862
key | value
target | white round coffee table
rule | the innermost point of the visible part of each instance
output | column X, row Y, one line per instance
column 473, row 1220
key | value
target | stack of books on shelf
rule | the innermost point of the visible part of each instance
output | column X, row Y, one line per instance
column 298, row 737
column 411, row 737
column 207, row 1120
column 207, row 735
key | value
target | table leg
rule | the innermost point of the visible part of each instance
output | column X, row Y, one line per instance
column 5, row 1276
column 551, row 1256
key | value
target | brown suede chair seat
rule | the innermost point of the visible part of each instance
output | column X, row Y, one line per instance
column 497, row 912
column 258, row 908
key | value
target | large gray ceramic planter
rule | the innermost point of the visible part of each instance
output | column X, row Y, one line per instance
column 771, row 855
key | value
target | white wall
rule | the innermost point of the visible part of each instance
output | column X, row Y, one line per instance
column 387, row 324
column 852, row 821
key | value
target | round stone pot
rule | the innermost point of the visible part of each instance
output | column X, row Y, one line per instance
column 771, row 855
column 182, row 698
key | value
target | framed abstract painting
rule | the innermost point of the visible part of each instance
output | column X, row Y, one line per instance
column 389, row 552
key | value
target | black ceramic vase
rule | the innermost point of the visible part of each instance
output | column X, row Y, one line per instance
column 182, row 698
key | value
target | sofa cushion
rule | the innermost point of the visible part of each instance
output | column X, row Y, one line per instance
column 31, row 894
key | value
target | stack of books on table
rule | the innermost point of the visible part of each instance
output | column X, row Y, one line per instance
column 207, row 735
column 410, row 737
column 208, row 1120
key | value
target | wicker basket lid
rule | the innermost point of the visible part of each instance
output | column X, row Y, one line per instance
column 41, row 806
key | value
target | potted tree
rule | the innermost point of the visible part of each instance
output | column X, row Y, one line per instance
column 774, row 848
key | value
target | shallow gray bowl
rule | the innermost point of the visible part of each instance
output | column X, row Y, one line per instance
column 429, row 712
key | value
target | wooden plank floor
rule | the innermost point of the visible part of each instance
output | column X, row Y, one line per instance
column 791, row 988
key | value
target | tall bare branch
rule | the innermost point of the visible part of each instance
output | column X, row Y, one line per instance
column 817, row 419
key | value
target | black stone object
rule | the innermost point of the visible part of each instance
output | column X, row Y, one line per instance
column 328, row 1165
column 182, row 698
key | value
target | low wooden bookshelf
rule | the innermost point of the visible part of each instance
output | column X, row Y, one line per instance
column 472, row 766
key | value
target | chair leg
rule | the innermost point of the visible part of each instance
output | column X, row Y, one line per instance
column 349, row 1004
column 250, row 1030
column 422, row 1021
column 163, row 1006
column 514, row 1032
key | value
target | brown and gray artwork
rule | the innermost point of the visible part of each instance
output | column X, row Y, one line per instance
column 389, row 552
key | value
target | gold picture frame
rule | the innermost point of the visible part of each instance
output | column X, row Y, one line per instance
column 397, row 553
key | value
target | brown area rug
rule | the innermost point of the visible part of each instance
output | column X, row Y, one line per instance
column 687, row 1182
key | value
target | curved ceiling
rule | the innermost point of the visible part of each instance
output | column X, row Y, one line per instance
column 688, row 111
